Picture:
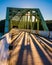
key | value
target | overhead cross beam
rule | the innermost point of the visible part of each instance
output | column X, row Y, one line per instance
column 21, row 13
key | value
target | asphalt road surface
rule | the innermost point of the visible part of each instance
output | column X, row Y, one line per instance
column 30, row 49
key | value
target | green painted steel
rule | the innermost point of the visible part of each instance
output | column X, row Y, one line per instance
column 24, row 18
column 42, row 21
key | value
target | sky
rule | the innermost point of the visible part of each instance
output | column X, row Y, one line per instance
column 45, row 6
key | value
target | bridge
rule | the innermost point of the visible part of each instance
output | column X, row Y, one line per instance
column 24, row 18
column 22, row 43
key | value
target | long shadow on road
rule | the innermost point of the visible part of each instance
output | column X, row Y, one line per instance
column 21, row 54
column 42, row 55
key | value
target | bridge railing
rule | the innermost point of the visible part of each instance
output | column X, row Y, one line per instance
column 43, row 33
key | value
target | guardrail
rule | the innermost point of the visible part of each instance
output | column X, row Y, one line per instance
column 43, row 33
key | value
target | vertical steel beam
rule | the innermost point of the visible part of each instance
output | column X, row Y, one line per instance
column 37, row 26
column 11, row 24
column 31, row 19
column 7, row 21
column 37, row 22
column 27, row 20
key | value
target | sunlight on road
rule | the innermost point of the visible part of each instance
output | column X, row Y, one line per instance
column 42, row 48
column 36, row 58
column 26, row 50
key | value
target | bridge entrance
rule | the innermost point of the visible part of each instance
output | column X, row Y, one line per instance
column 24, row 18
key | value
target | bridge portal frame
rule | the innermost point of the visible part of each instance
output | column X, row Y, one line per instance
column 23, row 12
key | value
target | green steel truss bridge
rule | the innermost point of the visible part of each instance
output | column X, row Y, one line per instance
column 19, row 47
column 24, row 18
